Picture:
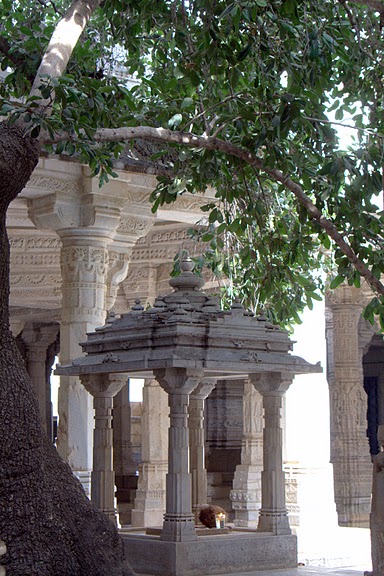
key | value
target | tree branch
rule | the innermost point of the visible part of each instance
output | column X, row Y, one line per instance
column 43, row 3
column 63, row 41
column 377, row 5
column 211, row 143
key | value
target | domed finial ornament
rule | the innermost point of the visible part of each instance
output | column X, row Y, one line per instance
column 111, row 317
column 187, row 280
column 186, row 264
column 137, row 307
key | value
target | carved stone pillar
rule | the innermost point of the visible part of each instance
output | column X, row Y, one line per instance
column 124, row 464
column 197, row 443
column 37, row 340
column 86, row 224
column 246, row 492
column 96, row 242
column 273, row 516
column 103, row 388
column 84, row 263
column 178, row 523
column 224, row 432
column 151, row 490
column 348, row 406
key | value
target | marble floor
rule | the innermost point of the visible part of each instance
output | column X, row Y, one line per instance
column 301, row 571
column 306, row 571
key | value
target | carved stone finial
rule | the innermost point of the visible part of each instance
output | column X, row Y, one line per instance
column 237, row 309
column 159, row 304
column 111, row 317
column 262, row 317
column 137, row 307
column 186, row 264
column 187, row 280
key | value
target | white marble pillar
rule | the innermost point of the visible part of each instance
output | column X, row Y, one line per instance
column 149, row 505
column 197, row 443
column 246, row 492
column 103, row 388
column 84, row 265
column 37, row 340
column 350, row 455
column 273, row 516
column 97, row 232
column 178, row 523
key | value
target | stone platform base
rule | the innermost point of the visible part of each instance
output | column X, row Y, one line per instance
column 234, row 552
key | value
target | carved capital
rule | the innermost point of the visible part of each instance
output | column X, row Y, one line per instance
column 39, row 337
column 103, row 385
column 178, row 380
column 60, row 212
column 271, row 383
column 204, row 388
column 345, row 295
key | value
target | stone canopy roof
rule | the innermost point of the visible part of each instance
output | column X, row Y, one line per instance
column 187, row 329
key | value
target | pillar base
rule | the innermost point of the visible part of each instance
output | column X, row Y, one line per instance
column 178, row 528
column 274, row 521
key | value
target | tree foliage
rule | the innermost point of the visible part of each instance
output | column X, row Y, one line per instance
column 244, row 96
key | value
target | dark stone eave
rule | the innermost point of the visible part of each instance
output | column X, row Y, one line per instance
column 187, row 329
column 132, row 362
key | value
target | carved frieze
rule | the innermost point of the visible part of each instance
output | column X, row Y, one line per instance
column 46, row 294
column 134, row 225
column 153, row 254
column 47, row 183
column 185, row 204
column 28, row 280
column 84, row 263
column 30, row 259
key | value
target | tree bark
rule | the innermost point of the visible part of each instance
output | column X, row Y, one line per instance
column 48, row 524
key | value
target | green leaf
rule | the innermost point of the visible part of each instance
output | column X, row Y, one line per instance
column 336, row 282
column 175, row 121
column 187, row 103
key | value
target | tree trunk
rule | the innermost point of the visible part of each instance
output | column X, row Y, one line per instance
column 47, row 522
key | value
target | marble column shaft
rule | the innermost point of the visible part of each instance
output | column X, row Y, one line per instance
column 150, row 498
column 84, row 264
column 246, row 492
column 178, row 523
column 197, row 443
column 37, row 340
column 103, row 388
column 348, row 406
column 273, row 516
